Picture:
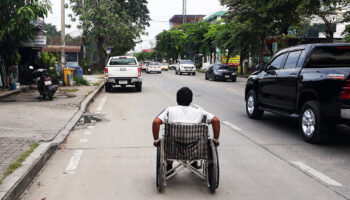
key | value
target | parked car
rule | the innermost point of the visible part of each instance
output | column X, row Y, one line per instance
column 123, row 71
column 144, row 65
column 185, row 66
column 309, row 82
column 165, row 66
column 154, row 67
column 172, row 66
column 221, row 72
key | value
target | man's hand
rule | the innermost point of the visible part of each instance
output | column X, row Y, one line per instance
column 156, row 144
column 217, row 144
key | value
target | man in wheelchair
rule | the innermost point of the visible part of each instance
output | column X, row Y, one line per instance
column 185, row 119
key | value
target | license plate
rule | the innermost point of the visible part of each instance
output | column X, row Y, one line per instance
column 48, row 83
column 122, row 69
column 123, row 82
column 227, row 76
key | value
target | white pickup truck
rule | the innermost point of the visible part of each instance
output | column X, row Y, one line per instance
column 185, row 66
column 123, row 71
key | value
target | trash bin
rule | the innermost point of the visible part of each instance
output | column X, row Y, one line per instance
column 68, row 76
column 12, row 84
column 78, row 71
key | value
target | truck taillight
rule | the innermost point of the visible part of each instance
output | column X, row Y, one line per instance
column 106, row 72
column 139, row 71
column 159, row 66
column 345, row 92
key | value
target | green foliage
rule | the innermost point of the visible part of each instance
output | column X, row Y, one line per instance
column 80, row 81
column 152, row 55
column 15, row 26
column 46, row 60
column 118, row 24
column 170, row 43
column 51, row 30
column 347, row 34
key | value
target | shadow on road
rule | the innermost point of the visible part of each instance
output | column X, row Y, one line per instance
column 123, row 90
column 340, row 136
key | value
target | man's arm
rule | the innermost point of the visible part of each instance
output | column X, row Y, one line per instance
column 215, row 122
column 155, row 128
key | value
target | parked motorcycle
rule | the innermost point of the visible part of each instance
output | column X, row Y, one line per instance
column 44, row 83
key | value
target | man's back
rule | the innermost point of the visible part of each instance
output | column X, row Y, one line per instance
column 185, row 114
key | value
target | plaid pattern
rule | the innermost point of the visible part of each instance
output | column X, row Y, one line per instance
column 186, row 141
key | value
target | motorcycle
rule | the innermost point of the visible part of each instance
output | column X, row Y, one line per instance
column 44, row 83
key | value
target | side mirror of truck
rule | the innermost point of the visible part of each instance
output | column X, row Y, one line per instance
column 260, row 67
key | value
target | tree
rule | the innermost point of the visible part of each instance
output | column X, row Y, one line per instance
column 260, row 19
column 16, row 26
column 327, row 10
column 118, row 24
column 169, row 43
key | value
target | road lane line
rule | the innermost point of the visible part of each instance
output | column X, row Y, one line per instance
column 87, row 133
column 82, row 141
column 74, row 161
column 90, row 127
column 316, row 174
column 236, row 128
column 101, row 104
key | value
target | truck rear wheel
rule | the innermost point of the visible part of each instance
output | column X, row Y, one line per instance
column 138, row 87
column 108, row 87
column 314, row 128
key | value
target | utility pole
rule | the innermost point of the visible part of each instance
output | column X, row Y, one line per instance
column 83, row 39
column 63, row 34
column 184, row 11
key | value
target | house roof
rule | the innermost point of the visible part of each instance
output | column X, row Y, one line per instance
column 214, row 15
column 178, row 18
column 57, row 48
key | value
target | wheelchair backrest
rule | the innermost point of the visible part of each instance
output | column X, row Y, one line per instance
column 186, row 141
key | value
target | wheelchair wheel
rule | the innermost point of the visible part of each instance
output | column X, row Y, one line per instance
column 160, row 167
column 213, row 167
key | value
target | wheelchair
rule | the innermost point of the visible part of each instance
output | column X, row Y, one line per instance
column 187, row 144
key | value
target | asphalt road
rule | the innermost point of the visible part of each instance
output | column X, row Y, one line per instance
column 259, row 159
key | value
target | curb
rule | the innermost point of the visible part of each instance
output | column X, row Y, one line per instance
column 14, row 92
column 15, row 184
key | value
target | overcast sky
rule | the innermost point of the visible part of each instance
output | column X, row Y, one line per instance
column 160, row 12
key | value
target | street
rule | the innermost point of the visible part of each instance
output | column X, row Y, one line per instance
column 113, row 158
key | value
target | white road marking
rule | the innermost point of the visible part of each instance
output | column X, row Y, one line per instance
column 87, row 133
column 101, row 104
column 236, row 128
column 90, row 127
column 316, row 174
column 82, row 141
column 74, row 161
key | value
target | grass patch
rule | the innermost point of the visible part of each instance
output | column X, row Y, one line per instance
column 69, row 90
column 98, row 71
column 19, row 161
column 201, row 70
column 80, row 81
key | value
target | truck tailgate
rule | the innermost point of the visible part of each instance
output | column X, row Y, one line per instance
column 122, row 71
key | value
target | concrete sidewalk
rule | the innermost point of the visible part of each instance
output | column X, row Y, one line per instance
column 26, row 119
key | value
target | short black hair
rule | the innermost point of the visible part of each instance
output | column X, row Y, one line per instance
column 184, row 96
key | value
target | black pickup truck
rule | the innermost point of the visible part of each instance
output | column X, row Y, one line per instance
column 310, row 82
